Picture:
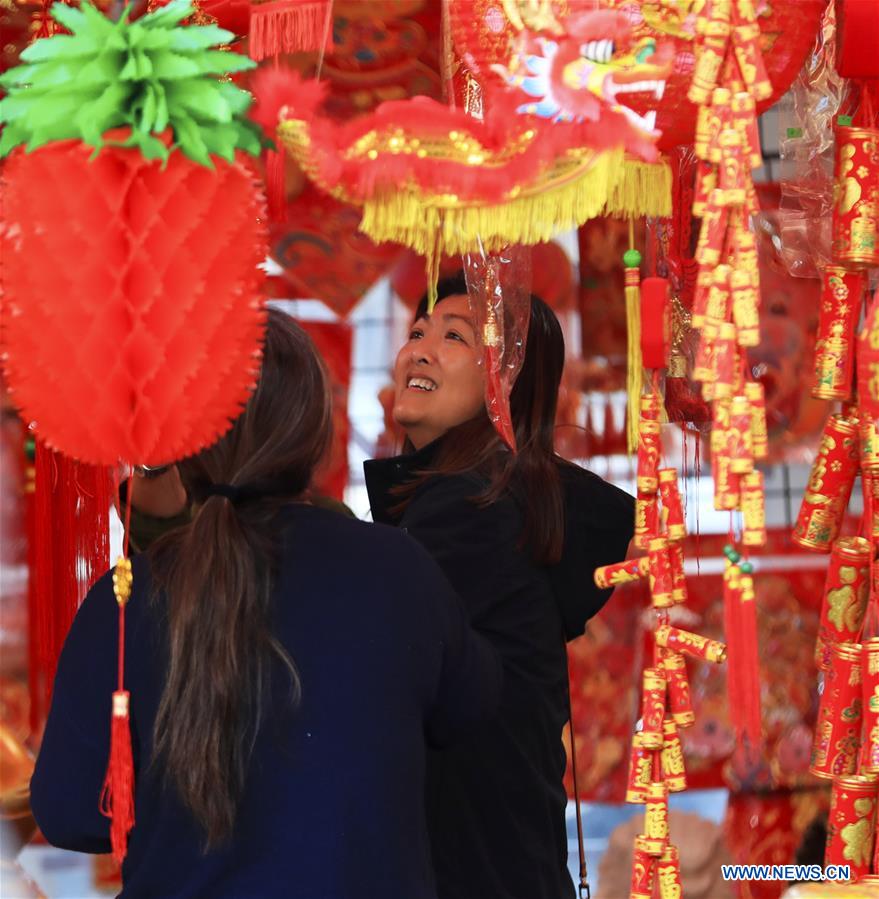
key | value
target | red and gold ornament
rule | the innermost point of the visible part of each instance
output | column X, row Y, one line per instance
column 830, row 485
column 838, row 729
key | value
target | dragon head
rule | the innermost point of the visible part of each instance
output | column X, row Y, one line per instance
column 586, row 73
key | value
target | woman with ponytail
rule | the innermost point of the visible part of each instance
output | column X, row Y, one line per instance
column 282, row 679
column 519, row 536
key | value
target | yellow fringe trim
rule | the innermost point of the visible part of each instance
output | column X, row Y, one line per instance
column 607, row 185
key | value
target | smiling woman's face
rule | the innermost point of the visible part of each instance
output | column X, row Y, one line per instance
column 438, row 380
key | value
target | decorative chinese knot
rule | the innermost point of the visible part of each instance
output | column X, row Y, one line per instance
column 656, row 766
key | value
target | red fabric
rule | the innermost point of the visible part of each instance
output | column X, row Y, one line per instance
column 334, row 342
column 134, row 284
column 655, row 311
column 767, row 829
column 857, row 34
column 323, row 254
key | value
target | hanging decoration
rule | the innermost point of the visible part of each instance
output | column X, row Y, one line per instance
column 656, row 766
column 488, row 34
column 507, row 178
column 168, row 292
column 155, row 256
column 845, row 747
column 288, row 26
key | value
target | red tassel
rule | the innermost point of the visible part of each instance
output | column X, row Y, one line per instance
column 117, row 797
column 69, row 537
column 743, row 663
column 288, row 26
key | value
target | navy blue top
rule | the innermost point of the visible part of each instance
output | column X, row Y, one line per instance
column 333, row 805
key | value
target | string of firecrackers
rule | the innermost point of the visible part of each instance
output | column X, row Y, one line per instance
column 846, row 742
column 656, row 766
column 725, row 303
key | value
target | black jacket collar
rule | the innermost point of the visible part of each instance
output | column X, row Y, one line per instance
column 384, row 474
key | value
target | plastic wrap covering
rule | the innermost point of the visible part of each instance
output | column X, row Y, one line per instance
column 499, row 285
column 806, row 118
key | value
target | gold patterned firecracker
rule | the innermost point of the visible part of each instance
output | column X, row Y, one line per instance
column 643, row 870
column 694, row 645
column 846, row 591
column 678, row 575
column 869, row 447
column 680, row 704
column 830, row 485
column 661, row 576
column 759, row 436
column 641, row 764
column 856, row 197
column 649, row 450
column 727, row 486
column 870, row 694
column 652, row 707
column 672, row 506
column 625, row 572
column 851, row 823
column 839, row 310
column 668, row 874
column 656, row 818
column 837, row 737
column 753, row 509
column 740, row 441
column 646, row 519
column 672, row 757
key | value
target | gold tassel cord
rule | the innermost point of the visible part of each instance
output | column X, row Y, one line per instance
column 635, row 371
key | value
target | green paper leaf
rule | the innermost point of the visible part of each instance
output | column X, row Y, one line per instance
column 166, row 16
column 200, row 99
column 148, row 75
column 221, row 140
column 147, row 117
column 219, row 62
column 188, row 136
column 239, row 101
column 94, row 118
column 60, row 46
column 199, row 37
column 172, row 66
column 11, row 137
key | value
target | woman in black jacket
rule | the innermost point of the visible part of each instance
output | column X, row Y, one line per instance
column 282, row 681
column 519, row 536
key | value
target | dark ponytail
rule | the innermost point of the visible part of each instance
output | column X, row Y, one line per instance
column 216, row 576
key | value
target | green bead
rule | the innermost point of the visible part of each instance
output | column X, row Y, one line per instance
column 728, row 550
column 631, row 259
column 747, row 568
column 30, row 449
column 734, row 557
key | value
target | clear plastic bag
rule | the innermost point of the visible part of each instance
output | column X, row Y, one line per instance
column 499, row 286
column 806, row 116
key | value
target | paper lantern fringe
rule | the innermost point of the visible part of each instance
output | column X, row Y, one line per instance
column 287, row 26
